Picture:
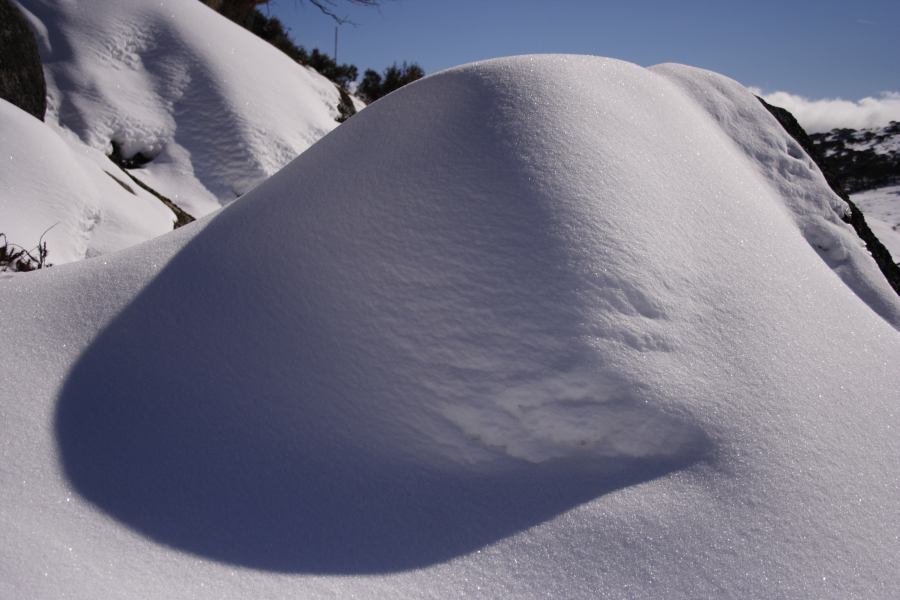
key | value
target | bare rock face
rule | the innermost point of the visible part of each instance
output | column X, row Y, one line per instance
column 21, row 74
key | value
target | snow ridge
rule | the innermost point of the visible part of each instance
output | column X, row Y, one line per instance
column 566, row 336
column 215, row 108
column 817, row 210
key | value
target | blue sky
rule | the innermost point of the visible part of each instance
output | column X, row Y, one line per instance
column 848, row 49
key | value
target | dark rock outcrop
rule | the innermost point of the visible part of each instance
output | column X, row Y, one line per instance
column 881, row 255
column 861, row 159
column 21, row 74
column 345, row 106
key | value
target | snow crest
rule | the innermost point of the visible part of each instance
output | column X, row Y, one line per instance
column 216, row 108
column 561, row 333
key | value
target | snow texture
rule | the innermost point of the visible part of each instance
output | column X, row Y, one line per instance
column 882, row 210
column 217, row 109
column 818, row 212
column 568, row 336
column 51, row 181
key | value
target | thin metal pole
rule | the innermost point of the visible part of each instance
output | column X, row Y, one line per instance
column 335, row 43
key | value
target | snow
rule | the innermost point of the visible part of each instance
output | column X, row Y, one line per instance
column 881, row 140
column 587, row 330
column 51, row 182
column 881, row 208
column 216, row 108
column 818, row 212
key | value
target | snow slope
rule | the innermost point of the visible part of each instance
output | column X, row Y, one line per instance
column 569, row 337
column 882, row 209
column 217, row 109
column 49, row 180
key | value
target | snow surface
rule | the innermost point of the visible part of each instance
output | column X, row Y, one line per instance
column 881, row 140
column 569, row 337
column 882, row 210
column 778, row 158
column 51, row 181
column 218, row 109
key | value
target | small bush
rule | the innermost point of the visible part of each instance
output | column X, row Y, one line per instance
column 16, row 258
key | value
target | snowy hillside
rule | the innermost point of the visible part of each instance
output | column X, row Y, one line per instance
column 216, row 109
column 881, row 140
column 861, row 159
column 882, row 209
column 49, row 180
column 589, row 330
column 866, row 162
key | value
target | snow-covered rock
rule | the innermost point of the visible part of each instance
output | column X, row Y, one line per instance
column 216, row 108
column 572, row 335
column 882, row 209
column 51, row 182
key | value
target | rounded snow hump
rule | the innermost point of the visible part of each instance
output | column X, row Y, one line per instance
column 498, row 294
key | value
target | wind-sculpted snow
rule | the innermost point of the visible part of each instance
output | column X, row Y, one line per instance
column 454, row 333
column 556, row 333
column 819, row 213
column 55, row 189
column 216, row 108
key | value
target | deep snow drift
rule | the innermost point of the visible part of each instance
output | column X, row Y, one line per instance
column 582, row 329
column 216, row 108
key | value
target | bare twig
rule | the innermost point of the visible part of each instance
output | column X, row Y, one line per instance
column 23, row 259
column 328, row 7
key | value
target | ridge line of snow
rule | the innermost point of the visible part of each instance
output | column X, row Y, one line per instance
column 794, row 177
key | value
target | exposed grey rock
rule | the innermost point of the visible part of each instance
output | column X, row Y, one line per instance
column 21, row 74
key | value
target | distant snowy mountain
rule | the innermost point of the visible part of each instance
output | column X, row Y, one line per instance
column 866, row 163
column 862, row 159
column 587, row 330
column 213, row 108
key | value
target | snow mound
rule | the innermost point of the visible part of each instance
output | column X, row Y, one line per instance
column 50, row 182
column 818, row 212
column 216, row 108
column 565, row 336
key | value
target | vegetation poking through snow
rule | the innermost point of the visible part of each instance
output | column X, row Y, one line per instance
column 14, row 257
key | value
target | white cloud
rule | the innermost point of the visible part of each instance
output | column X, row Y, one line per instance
column 824, row 115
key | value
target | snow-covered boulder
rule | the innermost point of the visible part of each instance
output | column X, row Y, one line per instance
column 217, row 110
column 578, row 333
column 54, row 186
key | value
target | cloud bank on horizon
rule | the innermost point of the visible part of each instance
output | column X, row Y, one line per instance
column 817, row 116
